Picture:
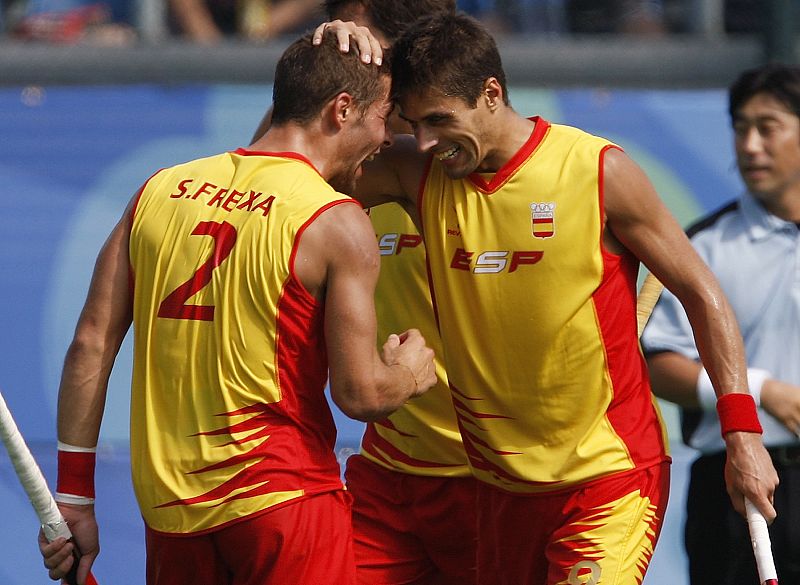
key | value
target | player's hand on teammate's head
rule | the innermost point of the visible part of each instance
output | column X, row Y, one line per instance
column 363, row 40
column 409, row 349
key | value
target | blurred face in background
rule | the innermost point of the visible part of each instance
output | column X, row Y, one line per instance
column 767, row 142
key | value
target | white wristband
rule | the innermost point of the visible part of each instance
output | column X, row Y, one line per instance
column 708, row 398
column 74, row 500
column 75, row 449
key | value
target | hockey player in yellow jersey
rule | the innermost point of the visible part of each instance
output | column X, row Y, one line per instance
column 249, row 277
column 534, row 233
column 413, row 494
column 414, row 503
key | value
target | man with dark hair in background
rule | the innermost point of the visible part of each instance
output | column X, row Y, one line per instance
column 752, row 245
column 249, row 279
column 534, row 234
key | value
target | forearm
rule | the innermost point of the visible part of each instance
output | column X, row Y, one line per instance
column 195, row 21
column 82, row 392
column 287, row 15
column 377, row 396
column 104, row 321
column 718, row 340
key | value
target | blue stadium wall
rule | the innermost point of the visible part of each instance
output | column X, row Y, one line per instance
column 71, row 158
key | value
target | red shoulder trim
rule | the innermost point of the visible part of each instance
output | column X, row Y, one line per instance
column 287, row 154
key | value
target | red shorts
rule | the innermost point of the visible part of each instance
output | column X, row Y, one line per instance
column 607, row 528
column 410, row 528
column 308, row 541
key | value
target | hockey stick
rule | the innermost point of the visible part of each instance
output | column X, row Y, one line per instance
column 762, row 547
column 32, row 480
column 647, row 299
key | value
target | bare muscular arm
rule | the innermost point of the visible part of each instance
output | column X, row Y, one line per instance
column 103, row 323
column 338, row 261
column 638, row 220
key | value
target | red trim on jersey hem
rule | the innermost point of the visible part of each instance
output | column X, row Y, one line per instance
column 300, row 231
column 287, row 154
column 509, row 169
column 267, row 510
column 667, row 460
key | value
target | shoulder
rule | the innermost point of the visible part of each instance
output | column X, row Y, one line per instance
column 342, row 230
column 573, row 135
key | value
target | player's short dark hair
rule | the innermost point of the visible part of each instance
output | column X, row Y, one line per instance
column 780, row 81
column 391, row 17
column 307, row 77
column 451, row 53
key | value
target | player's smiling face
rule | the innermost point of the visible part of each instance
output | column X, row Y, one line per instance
column 448, row 128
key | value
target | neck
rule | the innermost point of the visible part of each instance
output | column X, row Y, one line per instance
column 786, row 204
column 508, row 133
column 290, row 137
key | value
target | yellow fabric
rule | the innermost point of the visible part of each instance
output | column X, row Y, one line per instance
column 422, row 437
column 516, row 261
column 195, row 375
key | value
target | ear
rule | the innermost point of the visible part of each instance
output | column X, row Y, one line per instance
column 342, row 109
column 492, row 93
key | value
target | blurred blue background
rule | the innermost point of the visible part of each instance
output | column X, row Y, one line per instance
column 71, row 157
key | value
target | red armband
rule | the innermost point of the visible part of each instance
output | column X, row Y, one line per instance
column 737, row 412
column 75, row 483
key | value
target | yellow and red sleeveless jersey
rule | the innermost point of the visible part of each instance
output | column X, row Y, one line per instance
column 228, row 413
column 538, row 321
column 421, row 437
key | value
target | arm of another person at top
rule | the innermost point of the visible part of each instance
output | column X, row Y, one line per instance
column 195, row 21
column 640, row 221
column 366, row 385
column 101, row 328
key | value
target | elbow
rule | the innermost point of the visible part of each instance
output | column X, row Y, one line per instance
column 91, row 346
column 363, row 412
column 361, row 405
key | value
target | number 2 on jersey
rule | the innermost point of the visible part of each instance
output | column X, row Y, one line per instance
column 174, row 306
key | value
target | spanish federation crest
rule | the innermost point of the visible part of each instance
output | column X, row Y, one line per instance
column 543, row 220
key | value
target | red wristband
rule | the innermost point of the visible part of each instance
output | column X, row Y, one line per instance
column 76, row 473
column 737, row 412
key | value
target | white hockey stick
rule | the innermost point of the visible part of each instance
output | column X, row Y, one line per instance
column 32, row 480
column 762, row 548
